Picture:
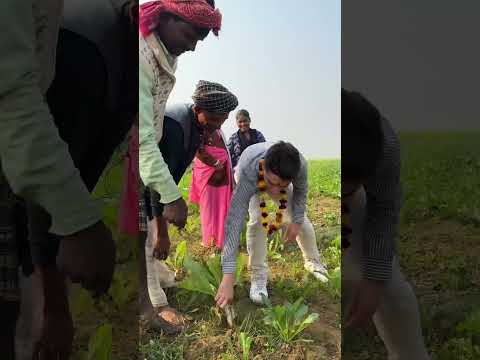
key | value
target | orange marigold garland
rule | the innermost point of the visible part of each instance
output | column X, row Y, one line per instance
column 268, row 226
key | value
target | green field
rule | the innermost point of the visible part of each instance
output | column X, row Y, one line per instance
column 108, row 326
column 439, row 244
column 438, row 247
column 208, row 336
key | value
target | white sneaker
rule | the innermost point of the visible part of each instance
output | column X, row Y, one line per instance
column 317, row 270
column 258, row 287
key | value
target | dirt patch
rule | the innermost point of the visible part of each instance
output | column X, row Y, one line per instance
column 433, row 255
column 214, row 346
column 432, row 251
column 320, row 207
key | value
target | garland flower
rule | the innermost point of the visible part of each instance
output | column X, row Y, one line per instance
column 268, row 225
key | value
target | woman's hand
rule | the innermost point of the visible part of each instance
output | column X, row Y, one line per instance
column 219, row 177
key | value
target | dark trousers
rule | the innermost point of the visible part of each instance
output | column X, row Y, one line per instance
column 8, row 313
column 77, row 101
column 177, row 158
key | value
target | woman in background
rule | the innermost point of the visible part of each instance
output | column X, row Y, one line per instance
column 244, row 137
column 211, row 189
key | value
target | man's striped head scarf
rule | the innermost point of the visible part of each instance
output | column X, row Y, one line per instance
column 196, row 12
column 214, row 98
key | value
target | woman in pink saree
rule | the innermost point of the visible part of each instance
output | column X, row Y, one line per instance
column 211, row 187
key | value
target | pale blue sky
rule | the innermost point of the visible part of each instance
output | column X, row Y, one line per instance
column 282, row 60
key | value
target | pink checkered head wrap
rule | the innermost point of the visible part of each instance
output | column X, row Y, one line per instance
column 196, row 12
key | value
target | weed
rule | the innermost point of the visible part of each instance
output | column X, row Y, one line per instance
column 245, row 343
column 156, row 349
column 288, row 320
column 176, row 262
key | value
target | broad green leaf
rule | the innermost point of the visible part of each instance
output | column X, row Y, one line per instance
column 288, row 320
column 310, row 319
column 246, row 343
column 199, row 278
column 300, row 313
column 192, row 284
column 100, row 344
column 471, row 325
column 214, row 265
column 180, row 253
column 119, row 290
column 337, row 242
column 81, row 302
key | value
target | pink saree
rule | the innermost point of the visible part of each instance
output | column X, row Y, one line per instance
column 214, row 202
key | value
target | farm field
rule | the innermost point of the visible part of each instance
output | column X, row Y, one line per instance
column 438, row 245
column 438, row 248
column 107, row 328
column 209, row 337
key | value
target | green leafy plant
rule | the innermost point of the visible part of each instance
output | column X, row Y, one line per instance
column 471, row 325
column 459, row 348
column 333, row 253
column 81, row 302
column 246, row 344
column 275, row 247
column 100, row 344
column 334, row 284
column 205, row 277
column 124, row 288
column 176, row 262
column 288, row 320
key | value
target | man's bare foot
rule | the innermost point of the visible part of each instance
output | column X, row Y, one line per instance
column 154, row 322
column 175, row 322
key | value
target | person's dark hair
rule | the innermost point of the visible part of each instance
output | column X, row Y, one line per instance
column 243, row 112
column 211, row 3
column 202, row 31
column 283, row 159
column 362, row 137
